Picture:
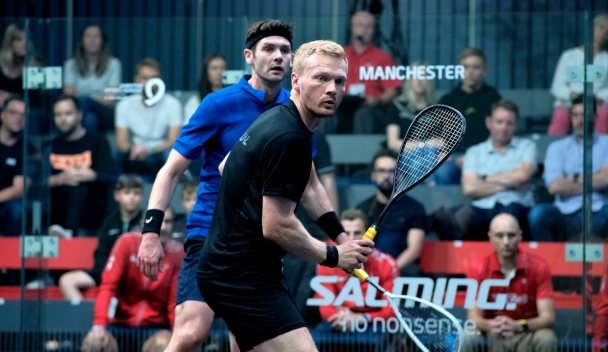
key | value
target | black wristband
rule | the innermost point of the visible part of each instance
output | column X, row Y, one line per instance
column 331, row 260
column 330, row 224
column 153, row 221
column 483, row 177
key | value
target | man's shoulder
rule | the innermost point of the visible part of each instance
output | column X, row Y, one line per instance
column 378, row 52
column 603, row 140
column 129, row 101
column 536, row 262
column 228, row 95
column 479, row 148
column 366, row 204
column 481, row 264
column 170, row 100
column 452, row 95
column 562, row 143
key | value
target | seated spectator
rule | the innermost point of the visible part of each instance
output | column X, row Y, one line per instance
column 474, row 99
column 188, row 198
column 497, row 174
column 211, row 80
column 12, row 61
column 417, row 95
column 141, row 303
column 128, row 193
column 563, row 174
column 378, row 265
column 403, row 228
column 528, row 326
column 564, row 91
column 145, row 134
column 12, row 182
column 366, row 101
column 600, row 332
column 88, row 74
column 77, row 158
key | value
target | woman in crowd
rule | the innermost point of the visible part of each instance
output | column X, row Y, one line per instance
column 209, row 82
column 87, row 76
column 564, row 92
column 417, row 95
column 12, row 61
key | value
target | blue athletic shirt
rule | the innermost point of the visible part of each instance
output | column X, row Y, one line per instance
column 216, row 125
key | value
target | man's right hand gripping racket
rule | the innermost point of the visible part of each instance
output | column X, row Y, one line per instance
column 430, row 140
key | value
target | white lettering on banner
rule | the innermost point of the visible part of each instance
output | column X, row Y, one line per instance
column 434, row 292
column 371, row 73
column 431, row 326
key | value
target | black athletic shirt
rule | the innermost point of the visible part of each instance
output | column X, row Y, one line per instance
column 272, row 158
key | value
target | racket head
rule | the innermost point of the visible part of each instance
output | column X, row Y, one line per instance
column 449, row 336
column 432, row 137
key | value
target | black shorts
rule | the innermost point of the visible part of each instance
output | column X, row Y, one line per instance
column 187, row 289
column 255, row 315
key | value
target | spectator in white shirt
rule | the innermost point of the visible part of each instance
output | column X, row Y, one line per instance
column 145, row 134
column 211, row 80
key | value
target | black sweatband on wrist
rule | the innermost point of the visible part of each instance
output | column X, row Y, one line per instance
column 153, row 221
column 330, row 224
column 331, row 260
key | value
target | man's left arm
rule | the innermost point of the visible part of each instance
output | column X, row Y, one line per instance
column 523, row 173
column 415, row 240
column 14, row 191
column 599, row 180
column 515, row 178
column 546, row 315
column 317, row 203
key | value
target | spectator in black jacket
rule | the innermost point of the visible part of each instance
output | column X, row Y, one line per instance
column 129, row 195
column 474, row 99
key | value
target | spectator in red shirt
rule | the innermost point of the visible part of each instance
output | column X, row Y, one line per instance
column 141, row 303
column 378, row 264
column 528, row 325
column 376, row 94
column 600, row 333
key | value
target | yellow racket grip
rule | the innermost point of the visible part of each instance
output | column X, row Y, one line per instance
column 360, row 274
column 370, row 234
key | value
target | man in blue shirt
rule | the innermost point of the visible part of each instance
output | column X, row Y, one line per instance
column 218, row 123
column 562, row 220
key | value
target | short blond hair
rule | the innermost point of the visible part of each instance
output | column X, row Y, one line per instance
column 322, row 47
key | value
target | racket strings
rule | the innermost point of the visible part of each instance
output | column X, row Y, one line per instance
column 429, row 140
column 434, row 330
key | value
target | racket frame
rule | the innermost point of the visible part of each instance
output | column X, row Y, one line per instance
column 392, row 301
column 394, row 197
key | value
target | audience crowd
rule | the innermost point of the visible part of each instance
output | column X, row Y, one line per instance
column 105, row 146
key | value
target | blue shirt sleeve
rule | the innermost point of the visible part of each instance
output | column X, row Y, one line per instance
column 553, row 163
column 202, row 126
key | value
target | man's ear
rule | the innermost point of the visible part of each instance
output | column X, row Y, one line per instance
column 295, row 82
column 248, row 56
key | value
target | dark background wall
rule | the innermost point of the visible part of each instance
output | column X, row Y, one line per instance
column 522, row 38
